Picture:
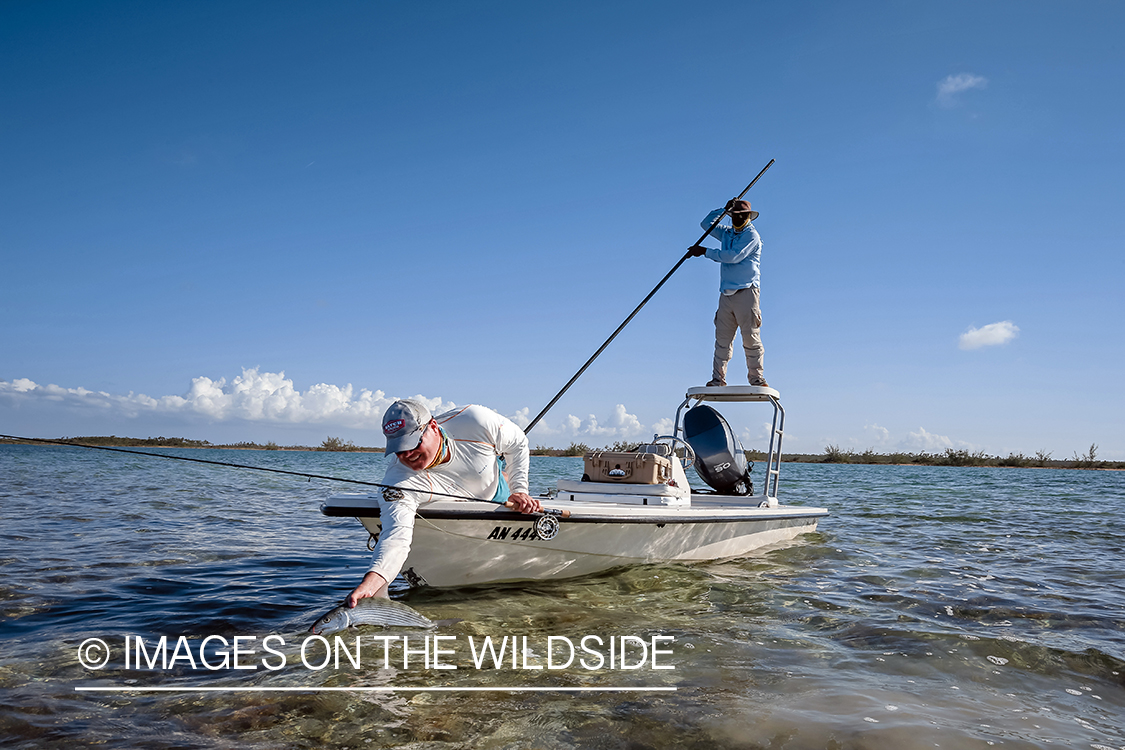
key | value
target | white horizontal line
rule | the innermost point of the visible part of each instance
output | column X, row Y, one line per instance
column 132, row 689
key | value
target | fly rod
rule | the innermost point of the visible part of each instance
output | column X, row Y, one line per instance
column 655, row 289
column 546, row 511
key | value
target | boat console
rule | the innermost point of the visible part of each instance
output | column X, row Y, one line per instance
column 654, row 474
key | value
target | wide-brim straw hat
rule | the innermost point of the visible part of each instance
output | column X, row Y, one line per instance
column 741, row 206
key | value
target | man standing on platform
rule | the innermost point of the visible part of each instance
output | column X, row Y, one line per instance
column 739, row 256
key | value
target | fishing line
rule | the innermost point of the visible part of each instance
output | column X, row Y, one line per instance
column 549, row 511
column 644, row 302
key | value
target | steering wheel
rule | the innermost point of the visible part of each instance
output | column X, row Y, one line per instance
column 688, row 452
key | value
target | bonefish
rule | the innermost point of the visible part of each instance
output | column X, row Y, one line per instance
column 373, row 610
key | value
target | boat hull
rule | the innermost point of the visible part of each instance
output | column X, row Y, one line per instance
column 459, row 544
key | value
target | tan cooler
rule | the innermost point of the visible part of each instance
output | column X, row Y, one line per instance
column 627, row 468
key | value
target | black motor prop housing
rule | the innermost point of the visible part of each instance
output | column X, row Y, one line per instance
column 719, row 457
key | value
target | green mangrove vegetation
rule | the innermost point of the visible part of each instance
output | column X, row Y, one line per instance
column 329, row 444
column 833, row 453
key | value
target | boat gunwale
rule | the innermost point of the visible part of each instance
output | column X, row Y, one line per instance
column 677, row 516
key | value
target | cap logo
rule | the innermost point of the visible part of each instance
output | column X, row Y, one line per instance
column 393, row 426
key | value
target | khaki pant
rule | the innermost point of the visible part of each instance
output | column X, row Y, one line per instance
column 739, row 310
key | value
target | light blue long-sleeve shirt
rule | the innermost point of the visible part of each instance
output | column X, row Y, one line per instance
column 740, row 254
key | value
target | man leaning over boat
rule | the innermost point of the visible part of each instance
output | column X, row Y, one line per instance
column 470, row 451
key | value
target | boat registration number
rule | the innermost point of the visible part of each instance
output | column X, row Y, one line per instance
column 514, row 534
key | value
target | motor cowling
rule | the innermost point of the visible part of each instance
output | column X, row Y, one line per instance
column 720, row 460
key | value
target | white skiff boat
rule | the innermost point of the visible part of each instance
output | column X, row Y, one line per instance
column 617, row 520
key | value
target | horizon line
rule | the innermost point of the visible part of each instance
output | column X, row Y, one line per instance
column 506, row 689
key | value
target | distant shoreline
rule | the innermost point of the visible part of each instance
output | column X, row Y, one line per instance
column 832, row 455
column 331, row 445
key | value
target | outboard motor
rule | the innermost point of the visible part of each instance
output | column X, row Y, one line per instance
column 719, row 457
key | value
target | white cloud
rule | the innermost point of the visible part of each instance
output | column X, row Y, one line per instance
column 926, row 442
column 619, row 426
column 877, row 435
column 949, row 87
column 269, row 398
column 992, row 334
column 882, row 440
column 252, row 396
column 759, row 439
column 20, row 385
column 663, row 426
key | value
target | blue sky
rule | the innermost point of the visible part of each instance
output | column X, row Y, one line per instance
column 262, row 221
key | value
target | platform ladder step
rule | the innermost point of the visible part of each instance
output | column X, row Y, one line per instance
column 773, row 466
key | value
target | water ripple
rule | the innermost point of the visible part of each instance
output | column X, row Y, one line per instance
column 960, row 607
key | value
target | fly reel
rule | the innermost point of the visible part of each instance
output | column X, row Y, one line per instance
column 546, row 528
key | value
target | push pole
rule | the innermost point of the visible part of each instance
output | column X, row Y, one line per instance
column 655, row 289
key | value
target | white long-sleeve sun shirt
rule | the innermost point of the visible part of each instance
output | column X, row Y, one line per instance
column 478, row 436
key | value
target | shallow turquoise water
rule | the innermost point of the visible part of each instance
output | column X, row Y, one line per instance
column 936, row 606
